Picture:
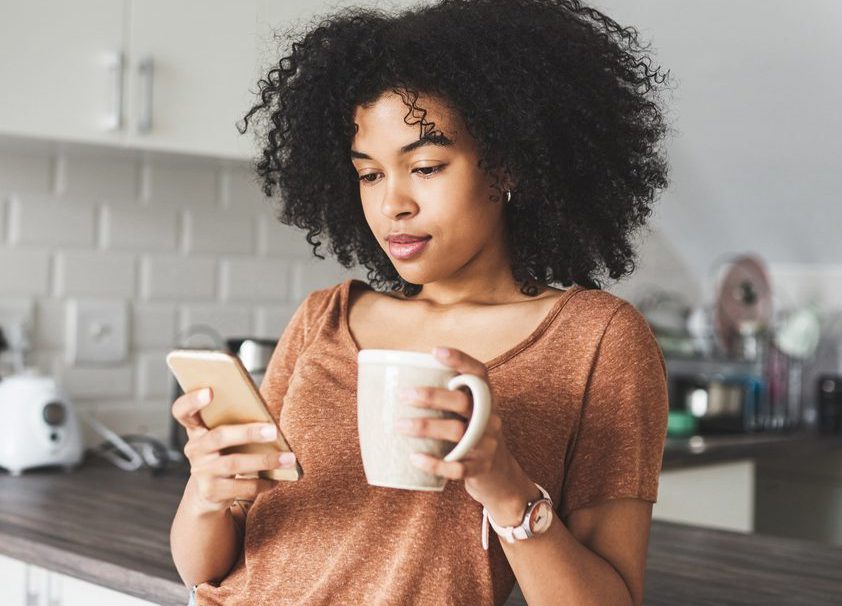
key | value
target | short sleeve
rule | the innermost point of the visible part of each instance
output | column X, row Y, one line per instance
column 618, row 446
column 281, row 365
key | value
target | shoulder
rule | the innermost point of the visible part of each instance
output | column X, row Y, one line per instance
column 606, row 309
column 322, row 298
column 315, row 305
column 624, row 336
column 595, row 310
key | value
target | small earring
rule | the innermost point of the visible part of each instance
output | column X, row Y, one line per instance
column 508, row 196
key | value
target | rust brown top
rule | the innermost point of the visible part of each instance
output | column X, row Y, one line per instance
column 584, row 406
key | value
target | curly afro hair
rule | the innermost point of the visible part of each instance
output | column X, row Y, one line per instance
column 554, row 92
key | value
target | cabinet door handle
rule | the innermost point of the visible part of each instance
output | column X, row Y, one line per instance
column 114, row 117
column 145, row 70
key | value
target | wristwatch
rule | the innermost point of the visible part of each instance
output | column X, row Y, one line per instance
column 536, row 520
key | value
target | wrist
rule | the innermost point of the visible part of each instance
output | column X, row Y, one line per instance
column 508, row 509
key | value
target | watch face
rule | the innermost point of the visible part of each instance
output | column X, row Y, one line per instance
column 542, row 515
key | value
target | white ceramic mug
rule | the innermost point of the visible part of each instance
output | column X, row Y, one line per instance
column 382, row 373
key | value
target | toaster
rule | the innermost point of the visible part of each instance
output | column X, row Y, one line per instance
column 38, row 425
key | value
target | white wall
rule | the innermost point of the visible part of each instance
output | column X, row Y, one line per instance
column 182, row 240
column 757, row 161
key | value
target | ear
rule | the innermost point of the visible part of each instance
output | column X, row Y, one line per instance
column 507, row 181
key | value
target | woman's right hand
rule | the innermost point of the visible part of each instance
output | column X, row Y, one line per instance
column 213, row 473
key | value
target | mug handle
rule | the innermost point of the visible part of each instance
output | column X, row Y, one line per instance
column 481, row 395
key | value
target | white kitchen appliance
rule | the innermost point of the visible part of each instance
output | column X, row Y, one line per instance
column 38, row 425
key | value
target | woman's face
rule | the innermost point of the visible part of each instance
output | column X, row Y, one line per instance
column 432, row 188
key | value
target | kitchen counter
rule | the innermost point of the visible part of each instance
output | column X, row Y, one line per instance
column 681, row 453
column 111, row 527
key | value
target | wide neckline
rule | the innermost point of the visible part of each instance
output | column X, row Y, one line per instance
column 344, row 312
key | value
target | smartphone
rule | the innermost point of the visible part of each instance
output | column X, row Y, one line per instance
column 236, row 399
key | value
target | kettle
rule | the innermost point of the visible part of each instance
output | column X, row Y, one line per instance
column 40, row 426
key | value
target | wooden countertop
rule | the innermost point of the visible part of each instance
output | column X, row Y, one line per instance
column 111, row 527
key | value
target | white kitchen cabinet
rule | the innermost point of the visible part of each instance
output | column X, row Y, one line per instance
column 800, row 496
column 193, row 65
column 59, row 68
column 719, row 495
column 13, row 581
column 148, row 74
column 74, row 592
column 25, row 584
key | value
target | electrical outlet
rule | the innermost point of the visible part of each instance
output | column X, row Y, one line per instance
column 97, row 332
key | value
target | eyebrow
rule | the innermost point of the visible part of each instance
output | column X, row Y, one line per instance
column 431, row 139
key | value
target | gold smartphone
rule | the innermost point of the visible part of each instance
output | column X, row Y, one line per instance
column 236, row 399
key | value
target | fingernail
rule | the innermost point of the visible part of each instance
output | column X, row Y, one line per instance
column 441, row 351
column 287, row 458
column 407, row 393
column 268, row 432
column 204, row 396
column 403, row 424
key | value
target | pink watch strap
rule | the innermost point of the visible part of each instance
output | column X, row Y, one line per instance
column 510, row 533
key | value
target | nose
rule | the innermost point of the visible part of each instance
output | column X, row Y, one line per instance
column 397, row 202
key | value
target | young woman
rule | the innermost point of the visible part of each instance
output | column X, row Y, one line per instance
column 517, row 144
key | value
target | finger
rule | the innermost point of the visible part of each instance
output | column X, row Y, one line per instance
column 186, row 407
column 431, row 427
column 231, row 464
column 452, row 470
column 224, row 436
column 484, row 449
column 460, row 361
column 458, row 400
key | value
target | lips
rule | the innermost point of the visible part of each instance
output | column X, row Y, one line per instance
column 406, row 249
column 407, row 239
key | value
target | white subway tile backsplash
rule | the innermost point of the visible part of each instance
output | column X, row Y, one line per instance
column 174, row 277
column 24, row 272
column 275, row 238
column 153, row 326
column 272, row 320
column 242, row 191
column 49, row 324
column 315, row 274
column 255, row 279
column 97, row 177
column 4, row 210
column 126, row 417
column 46, row 362
column 189, row 241
column 95, row 274
column 139, row 228
column 51, row 222
column 17, row 318
column 97, row 383
column 26, row 172
column 182, row 182
column 227, row 320
column 220, row 232
column 153, row 376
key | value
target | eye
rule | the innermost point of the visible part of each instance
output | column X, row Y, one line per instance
column 425, row 171
column 431, row 169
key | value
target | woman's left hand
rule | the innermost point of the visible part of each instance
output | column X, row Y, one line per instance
column 488, row 468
